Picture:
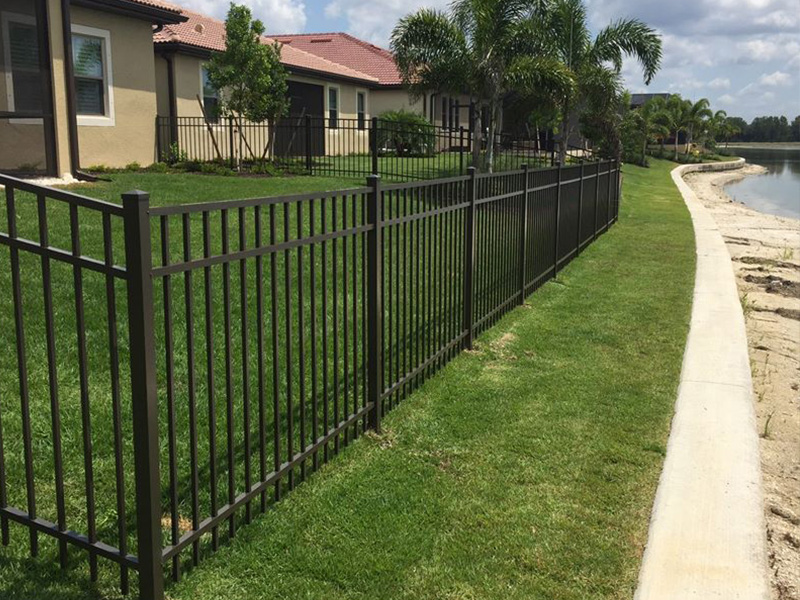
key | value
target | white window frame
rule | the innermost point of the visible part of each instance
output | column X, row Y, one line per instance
column 109, row 119
column 329, row 87
column 7, row 18
column 366, row 107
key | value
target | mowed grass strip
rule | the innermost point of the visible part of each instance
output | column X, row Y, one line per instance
column 526, row 468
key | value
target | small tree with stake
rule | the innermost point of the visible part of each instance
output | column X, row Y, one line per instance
column 249, row 76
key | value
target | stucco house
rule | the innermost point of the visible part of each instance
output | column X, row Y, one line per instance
column 74, row 90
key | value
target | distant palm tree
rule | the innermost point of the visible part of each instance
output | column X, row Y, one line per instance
column 648, row 119
column 675, row 117
column 484, row 48
column 697, row 114
column 595, row 63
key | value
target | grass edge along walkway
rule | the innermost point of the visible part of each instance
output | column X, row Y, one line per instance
column 525, row 469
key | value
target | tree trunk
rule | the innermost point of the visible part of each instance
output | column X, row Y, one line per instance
column 476, row 138
column 644, row 151
column 676, row 145
column 565, row 133
column 490, row 141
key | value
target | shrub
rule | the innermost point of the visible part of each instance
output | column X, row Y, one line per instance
column 158, row 167
column 215, row 169
column 99, row 169
column 405, row 134
column 134, row 166
column 173, row 154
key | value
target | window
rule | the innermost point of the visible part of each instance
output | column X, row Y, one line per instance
column 91, row 57
column 333, row 107
column 210, row 97
column 22, row 67
column 445, row 104
column 361, row 109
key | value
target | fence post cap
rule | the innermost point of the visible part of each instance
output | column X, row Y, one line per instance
column 471, row 170
column 373, row 179
column 135, row 196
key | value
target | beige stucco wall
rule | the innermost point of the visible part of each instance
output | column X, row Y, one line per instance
column 396, row 99
column 132, row 137
column 196, row 140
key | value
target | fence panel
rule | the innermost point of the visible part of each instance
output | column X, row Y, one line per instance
column 263, row 336
column 397, row 151
column 65, row 431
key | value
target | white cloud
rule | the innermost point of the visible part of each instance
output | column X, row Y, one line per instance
column 775, row 79
column 719, row 83
column 278, row 16
column 726, row 99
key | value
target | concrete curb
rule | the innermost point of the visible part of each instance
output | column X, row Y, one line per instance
column 707, row 535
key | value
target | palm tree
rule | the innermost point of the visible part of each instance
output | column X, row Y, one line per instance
column 484, row 48
column 697, row 114
column 675, row 117
column 595, row 64
column 729, row 129
column 648, row 119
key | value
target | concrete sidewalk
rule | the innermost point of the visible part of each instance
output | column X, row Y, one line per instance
column 707, row 536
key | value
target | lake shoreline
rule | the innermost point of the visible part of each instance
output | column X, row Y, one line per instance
column 765, row 250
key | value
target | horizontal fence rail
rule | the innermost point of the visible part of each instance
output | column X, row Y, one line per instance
column 178, row 369
column 342, row 147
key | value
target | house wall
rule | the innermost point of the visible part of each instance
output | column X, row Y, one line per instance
column 396, row 99
column 131, row 137
column 195, row 138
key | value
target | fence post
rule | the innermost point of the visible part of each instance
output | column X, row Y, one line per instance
column 308, row 145
column 461, row 150
column 596, row 198
column 608, row 195
column 619, row 191
column 230, row 143
column 580, row 212
column 558, row 220
column 374, row 301
column 373, row 147
column 143, row 393
column 523, row 263
column 469, row 260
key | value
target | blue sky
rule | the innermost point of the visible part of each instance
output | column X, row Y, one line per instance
column 743, row 55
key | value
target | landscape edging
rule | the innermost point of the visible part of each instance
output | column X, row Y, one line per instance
column 707, row 534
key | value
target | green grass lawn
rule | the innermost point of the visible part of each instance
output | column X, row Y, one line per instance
column 524, row 469
column 187, row 188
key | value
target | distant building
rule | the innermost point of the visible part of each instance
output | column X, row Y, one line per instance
column 638, row 99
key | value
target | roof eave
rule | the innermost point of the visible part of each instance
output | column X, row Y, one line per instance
column 153, row 14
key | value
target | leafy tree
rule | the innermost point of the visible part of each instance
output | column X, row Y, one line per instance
column 595, row 63
column 249, row 75
column 739, row 125
column 796, row 129
column 484, row 48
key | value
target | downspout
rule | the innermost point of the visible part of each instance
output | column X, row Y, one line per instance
column 69, row 74
column 173, row 99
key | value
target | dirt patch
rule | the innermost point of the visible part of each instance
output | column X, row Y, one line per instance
column 776, row 285
column 766, row 254
column 760, row 260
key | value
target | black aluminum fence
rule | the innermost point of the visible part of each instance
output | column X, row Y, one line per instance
column 352, row 147
column 262, row 336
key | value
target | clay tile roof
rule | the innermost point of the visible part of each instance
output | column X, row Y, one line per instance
column 208, row 33
column 159, row 4
column 347, row 50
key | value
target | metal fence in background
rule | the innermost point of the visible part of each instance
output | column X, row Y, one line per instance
column 397, row 151
column 262, row 337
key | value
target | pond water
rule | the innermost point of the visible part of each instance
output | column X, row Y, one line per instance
column 778, row 191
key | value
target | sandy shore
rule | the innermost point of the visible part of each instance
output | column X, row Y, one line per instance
column 766, row 256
